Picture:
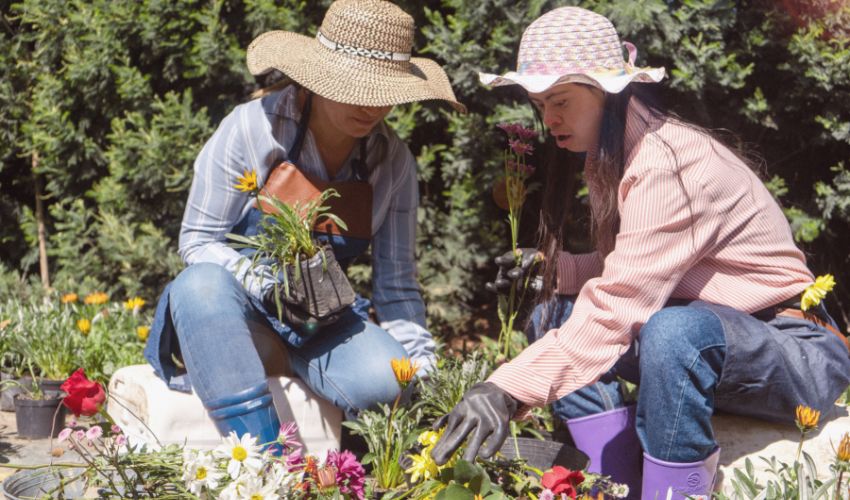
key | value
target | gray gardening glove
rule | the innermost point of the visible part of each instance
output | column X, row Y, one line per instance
column 483, row 414
column 510, row 272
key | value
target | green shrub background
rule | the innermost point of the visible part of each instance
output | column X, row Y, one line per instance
column 105, row 104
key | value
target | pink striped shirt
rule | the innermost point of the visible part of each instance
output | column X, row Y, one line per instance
column 695, row 223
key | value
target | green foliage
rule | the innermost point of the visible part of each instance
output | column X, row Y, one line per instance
column 447, row 384
column 797, row 480
column 109, row 102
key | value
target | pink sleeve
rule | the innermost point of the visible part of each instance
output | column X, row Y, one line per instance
column 575, row 269
column 663, row 231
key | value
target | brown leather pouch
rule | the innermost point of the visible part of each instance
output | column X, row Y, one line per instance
column 354, row 205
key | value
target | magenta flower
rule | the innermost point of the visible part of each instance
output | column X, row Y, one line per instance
column 519, row 147
column 350, row 475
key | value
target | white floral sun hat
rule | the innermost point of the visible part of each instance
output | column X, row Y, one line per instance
column 573, row 45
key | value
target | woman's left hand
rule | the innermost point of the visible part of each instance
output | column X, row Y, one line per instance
column 484, row 412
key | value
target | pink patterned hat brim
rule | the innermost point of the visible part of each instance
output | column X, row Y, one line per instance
column 609, row 81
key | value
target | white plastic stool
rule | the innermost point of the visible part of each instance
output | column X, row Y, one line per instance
column 742, row 437
column 145, row 407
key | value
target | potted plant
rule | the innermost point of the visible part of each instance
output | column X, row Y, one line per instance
column 38, row 413
column 312, row 289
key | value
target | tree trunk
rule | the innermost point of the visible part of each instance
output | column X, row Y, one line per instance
column 42, row 232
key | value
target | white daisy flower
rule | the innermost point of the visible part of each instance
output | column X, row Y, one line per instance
column 199, row 471
column 254, row 488
column 240, row 452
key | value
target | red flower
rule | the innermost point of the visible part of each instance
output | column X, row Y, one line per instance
column 561, row 480
column 84, row 396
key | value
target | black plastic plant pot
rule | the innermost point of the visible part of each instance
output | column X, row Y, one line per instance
column 321, row 291
column 40, row 483
column 544, row 455
column 39, row 418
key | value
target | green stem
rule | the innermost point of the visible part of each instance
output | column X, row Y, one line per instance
column 800, row 446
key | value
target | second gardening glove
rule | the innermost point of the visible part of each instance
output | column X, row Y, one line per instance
column 483, row 414
column 510, row 272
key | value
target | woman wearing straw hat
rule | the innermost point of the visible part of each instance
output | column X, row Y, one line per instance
column 324, row 129
column 693, row 293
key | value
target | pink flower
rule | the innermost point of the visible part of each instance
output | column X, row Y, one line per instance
column 79, row 435
column 115, row 429
column 288, row 436
column 120, row 440
column 94, row 433
column 64, row 434
column 526, row 133
column 350, row 475
column 546, row 495
column 517, row 130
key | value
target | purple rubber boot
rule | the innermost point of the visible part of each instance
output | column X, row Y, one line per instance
column 610, row 440
column 675, row 481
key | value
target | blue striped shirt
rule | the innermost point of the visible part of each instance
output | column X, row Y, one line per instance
column 255, row 136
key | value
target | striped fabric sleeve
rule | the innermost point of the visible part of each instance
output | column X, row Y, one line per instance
column 215, row 206
column 575, row 269
column 663, row 232
column 395, row 289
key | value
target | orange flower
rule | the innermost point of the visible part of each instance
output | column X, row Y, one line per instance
column 96, row 298
column 326, row 477
column 843, row 453
column 807, row 418
column 404, row 370
column 69, row 297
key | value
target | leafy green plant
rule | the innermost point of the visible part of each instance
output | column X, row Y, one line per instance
column 286, row 236
column 446, row 385
column 389, row 434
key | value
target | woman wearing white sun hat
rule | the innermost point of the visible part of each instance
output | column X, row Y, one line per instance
column 693, row 292
column 323, row 127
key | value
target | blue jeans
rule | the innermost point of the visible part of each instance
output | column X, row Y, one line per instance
column 347, row 363
column 693, row 358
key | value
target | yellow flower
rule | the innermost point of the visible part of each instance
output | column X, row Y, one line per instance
column 247, row 182
column 429, row 438
column 843, row 453
column 84, row 325
column 5, row 323
column 807, row 418
column 423, row 467
column 96, row 298
column 404, row 370
column 142, row 332
column 817, row 291
column 68, row 298
column 134, row 304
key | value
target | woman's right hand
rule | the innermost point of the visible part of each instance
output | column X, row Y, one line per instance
column 509, row 272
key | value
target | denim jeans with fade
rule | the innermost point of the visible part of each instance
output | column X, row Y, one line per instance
column 695, row 357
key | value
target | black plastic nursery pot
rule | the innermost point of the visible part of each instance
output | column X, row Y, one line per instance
column 39, row 418
column 544, row 455
column 320, row 290
column 36, row 483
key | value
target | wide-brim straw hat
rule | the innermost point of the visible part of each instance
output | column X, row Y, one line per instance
column 361, row 55
column 573, row 45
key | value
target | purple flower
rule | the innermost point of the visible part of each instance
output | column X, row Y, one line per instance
column 350, row 475
column 519, row 147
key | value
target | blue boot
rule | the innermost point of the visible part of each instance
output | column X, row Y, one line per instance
column 250, row 411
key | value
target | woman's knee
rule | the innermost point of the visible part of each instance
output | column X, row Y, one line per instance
column 677, row 334
column 203, row 283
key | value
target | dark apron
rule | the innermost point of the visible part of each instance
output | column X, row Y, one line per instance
column 288, row 184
